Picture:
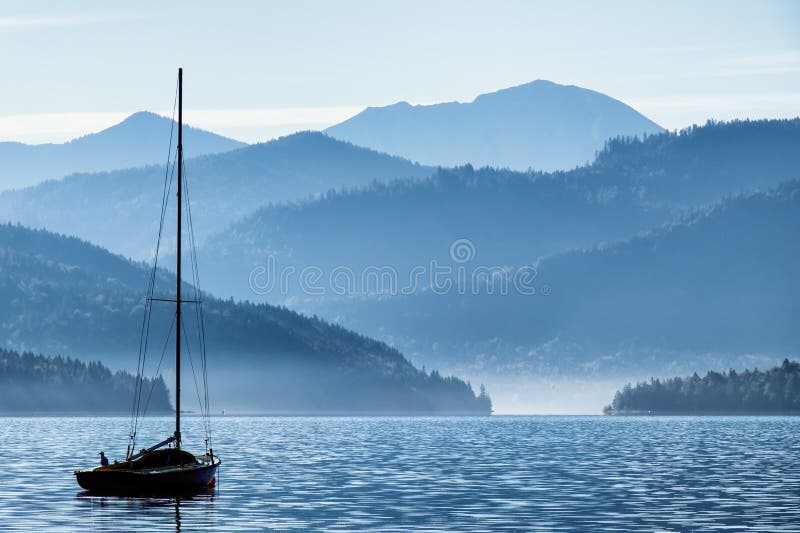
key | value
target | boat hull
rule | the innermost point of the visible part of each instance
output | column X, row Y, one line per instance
column 187, row 479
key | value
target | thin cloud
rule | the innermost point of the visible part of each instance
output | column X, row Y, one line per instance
column 54, row 127
column 36, row 22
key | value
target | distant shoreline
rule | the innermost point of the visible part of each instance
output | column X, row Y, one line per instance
column 704, row 413
column 120, row 414
column 77, row 414
column 676, row 414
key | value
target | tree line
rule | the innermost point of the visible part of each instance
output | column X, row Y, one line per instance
column 32, row 383
column 774, row 390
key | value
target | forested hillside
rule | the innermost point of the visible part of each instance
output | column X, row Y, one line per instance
column 701, row 164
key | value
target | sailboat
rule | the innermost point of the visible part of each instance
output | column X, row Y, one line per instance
column 165, row 468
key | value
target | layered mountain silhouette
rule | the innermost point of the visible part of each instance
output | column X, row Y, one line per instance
column 540, row 125
column 509, row 218
column 140, row 139
column 711, row 287
column 120, row 210
column 65, row 296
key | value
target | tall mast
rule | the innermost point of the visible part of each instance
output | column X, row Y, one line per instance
column 178, row 283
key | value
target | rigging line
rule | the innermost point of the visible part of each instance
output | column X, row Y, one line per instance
column 198, row 309
column 203, row 410
column 203, row 355
column 143, row 353
column 161, row 360
column 203, row 348
column 192, row 245
column 202, row 334
column 194, row 376
column 198, row 290
column 165, row 194
column 202, row 404
column 146, row 319
column 144, row 340
column 164, row 204
column 193, row 254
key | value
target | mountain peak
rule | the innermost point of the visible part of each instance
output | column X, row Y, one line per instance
column 543, row 90
column 142, row 138
column 147, row 123
column 143, row 116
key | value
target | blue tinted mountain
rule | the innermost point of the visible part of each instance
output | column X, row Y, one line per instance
column 541, row 125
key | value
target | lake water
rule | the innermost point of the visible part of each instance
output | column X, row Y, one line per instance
column 417, row 474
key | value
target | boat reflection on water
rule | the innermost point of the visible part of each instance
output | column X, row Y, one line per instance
column 118, row 509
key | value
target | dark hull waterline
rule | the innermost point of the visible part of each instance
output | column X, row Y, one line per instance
column 187, row 479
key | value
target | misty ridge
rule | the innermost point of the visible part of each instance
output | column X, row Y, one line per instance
column 64, row 295
column 715, row 289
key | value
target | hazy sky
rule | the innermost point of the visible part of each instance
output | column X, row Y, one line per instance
column 257, row 69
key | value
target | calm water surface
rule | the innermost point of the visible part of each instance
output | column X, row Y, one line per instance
column 425, row 474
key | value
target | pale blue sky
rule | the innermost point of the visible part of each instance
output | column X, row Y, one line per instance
column 258, row 69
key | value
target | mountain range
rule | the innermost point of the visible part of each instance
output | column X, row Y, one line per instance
column 140, row 139
column 541, row 125
column 667, row 253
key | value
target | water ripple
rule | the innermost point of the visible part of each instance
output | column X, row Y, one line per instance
column 425, row 474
